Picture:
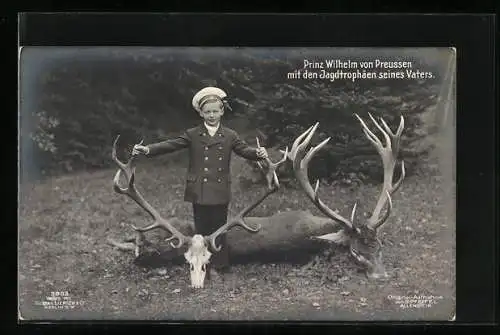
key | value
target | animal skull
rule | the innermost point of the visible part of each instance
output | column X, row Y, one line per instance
column 198, row 256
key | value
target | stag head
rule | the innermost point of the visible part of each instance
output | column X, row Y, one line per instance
column 199, row 248
column 361, row 237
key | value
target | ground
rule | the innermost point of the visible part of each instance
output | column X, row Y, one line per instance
column 64, row 223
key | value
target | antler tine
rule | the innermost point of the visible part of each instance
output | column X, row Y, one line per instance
column 285, row 156
column 126, row 168
column 386, row 136
column 298, row 140
column 401, row 178
column 369, row 134
column 276, row 165
column 258, row 146
column 396, row 186
column 401, row 126
column 396, row 137
column 135, row 195
column 383, row 219
column 398, row 131
column 272, row 167
column 300, row 167
column 114, row 155
column 389, row 155
column 238, row 220
column 353, row 212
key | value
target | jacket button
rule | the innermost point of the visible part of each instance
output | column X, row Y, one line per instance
column 206, row 158
column 206, row 169
column 205, row 180
column 220, row 148
column 206, row 148
column 220, row 158
column 219, row 169
column 219, row 180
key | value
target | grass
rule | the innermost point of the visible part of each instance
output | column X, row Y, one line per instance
column 64, row 223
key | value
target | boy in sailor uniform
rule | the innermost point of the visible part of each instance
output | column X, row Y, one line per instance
column 208, row 181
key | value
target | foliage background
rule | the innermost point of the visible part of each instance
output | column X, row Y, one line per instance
column 76, row 100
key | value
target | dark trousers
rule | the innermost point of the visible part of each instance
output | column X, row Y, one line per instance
column 207, row 219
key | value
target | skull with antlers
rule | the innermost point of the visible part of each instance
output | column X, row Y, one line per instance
column 364, row 244
column 198, row 253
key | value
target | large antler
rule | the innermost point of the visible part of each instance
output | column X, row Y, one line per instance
column 300, row 168
column 129, row 171
column 389, row 154
column 271, row 175
column 238, row 220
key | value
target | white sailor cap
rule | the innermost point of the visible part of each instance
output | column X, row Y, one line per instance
column 208, row 94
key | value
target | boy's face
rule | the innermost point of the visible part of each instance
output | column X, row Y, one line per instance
column 212, row 112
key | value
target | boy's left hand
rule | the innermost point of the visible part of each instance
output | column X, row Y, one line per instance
column 262, row 152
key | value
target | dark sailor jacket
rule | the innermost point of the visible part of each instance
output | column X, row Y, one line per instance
column 208, row 180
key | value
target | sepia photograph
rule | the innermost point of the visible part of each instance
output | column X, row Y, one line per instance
column 266, row 184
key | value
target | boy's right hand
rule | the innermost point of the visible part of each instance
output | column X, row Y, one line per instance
column 140, row 149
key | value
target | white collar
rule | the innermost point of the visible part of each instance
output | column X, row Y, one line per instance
column 212, row 129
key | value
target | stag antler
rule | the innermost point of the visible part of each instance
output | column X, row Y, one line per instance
column 271, row 175
column 300, row 168
column 238, row 220
column 389, row 154
column 129, row 171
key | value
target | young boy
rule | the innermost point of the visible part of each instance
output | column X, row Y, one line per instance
column 208, row 184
